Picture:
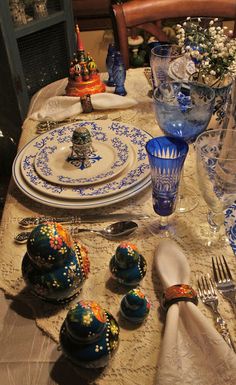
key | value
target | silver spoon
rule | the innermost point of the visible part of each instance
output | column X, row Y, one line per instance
column 113, row 231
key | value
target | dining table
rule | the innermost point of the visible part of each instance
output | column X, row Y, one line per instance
column 29, row 327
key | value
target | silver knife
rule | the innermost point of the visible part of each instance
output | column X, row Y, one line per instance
column 30, row 222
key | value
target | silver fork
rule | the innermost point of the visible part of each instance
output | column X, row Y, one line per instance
column 224, row 280
column 47, row 125
column 207, row 294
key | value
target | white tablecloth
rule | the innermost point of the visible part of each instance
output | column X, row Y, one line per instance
column 30, row 358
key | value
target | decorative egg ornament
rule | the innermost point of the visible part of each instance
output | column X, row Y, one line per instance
column 89, row 335
column 54, row 266
column 135, row 306
column 127, row 265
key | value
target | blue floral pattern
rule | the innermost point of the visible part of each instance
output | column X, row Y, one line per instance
column 135, row 174
column 121, row 150
column 230, row 225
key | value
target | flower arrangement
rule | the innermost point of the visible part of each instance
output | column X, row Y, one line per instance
column 211, row 48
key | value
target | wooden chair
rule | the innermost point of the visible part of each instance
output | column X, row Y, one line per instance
column 147, row 15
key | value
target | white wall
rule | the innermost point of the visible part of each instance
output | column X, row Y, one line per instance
column 96, row 43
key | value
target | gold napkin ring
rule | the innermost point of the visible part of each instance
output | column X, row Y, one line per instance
column 176, row 293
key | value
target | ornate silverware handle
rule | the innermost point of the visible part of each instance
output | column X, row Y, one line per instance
column 47, row 125
column 224, row 331
column 22, row 238
column 30, row 222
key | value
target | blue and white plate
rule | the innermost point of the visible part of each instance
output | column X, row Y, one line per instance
column 73, row 204
column 230, row 225
column 109, row 158
column 135, row 172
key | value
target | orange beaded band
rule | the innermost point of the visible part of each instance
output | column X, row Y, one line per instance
column 176, row 293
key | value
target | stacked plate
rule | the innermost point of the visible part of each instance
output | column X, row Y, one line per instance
column 119, row 166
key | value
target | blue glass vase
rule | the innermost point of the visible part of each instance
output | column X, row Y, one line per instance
column 119, row 74
column 166, row 158
column 110, row 63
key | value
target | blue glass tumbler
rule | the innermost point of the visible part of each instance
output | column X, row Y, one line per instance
column 119, row 74
column 110, row 63
column 166, row 158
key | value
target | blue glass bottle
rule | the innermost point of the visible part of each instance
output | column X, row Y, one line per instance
column 110, row 63
column 119, row 74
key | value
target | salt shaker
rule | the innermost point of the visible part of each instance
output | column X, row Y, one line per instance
column 110, row 63
column 119, row 74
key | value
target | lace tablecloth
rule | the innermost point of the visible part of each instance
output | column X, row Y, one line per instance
column 137, row 357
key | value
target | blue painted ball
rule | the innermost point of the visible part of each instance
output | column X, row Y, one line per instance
column 89, row 335
column 128, row 266
column 54, row 267
column 49, row 244
column 135, row 306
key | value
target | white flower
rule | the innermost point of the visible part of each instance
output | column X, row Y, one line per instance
column 217, row 51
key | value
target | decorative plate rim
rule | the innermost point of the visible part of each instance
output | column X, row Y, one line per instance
column 70, row 204
column 132, row 175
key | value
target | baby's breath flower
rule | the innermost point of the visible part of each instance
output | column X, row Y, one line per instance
column 211, row 47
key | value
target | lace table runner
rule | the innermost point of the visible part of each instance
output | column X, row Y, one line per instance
column 137, row 357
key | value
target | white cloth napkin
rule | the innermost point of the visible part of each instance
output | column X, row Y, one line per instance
column 63, row 107
column 192, row 351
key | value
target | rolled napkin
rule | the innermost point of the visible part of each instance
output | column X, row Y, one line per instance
column 63, row 107
column 192, row 351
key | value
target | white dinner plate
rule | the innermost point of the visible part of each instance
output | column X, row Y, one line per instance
column 109, row 158
column 136, row 170
column 70, row 204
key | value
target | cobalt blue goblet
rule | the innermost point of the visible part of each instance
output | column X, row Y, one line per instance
column 183, row 110
column 166, row 158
